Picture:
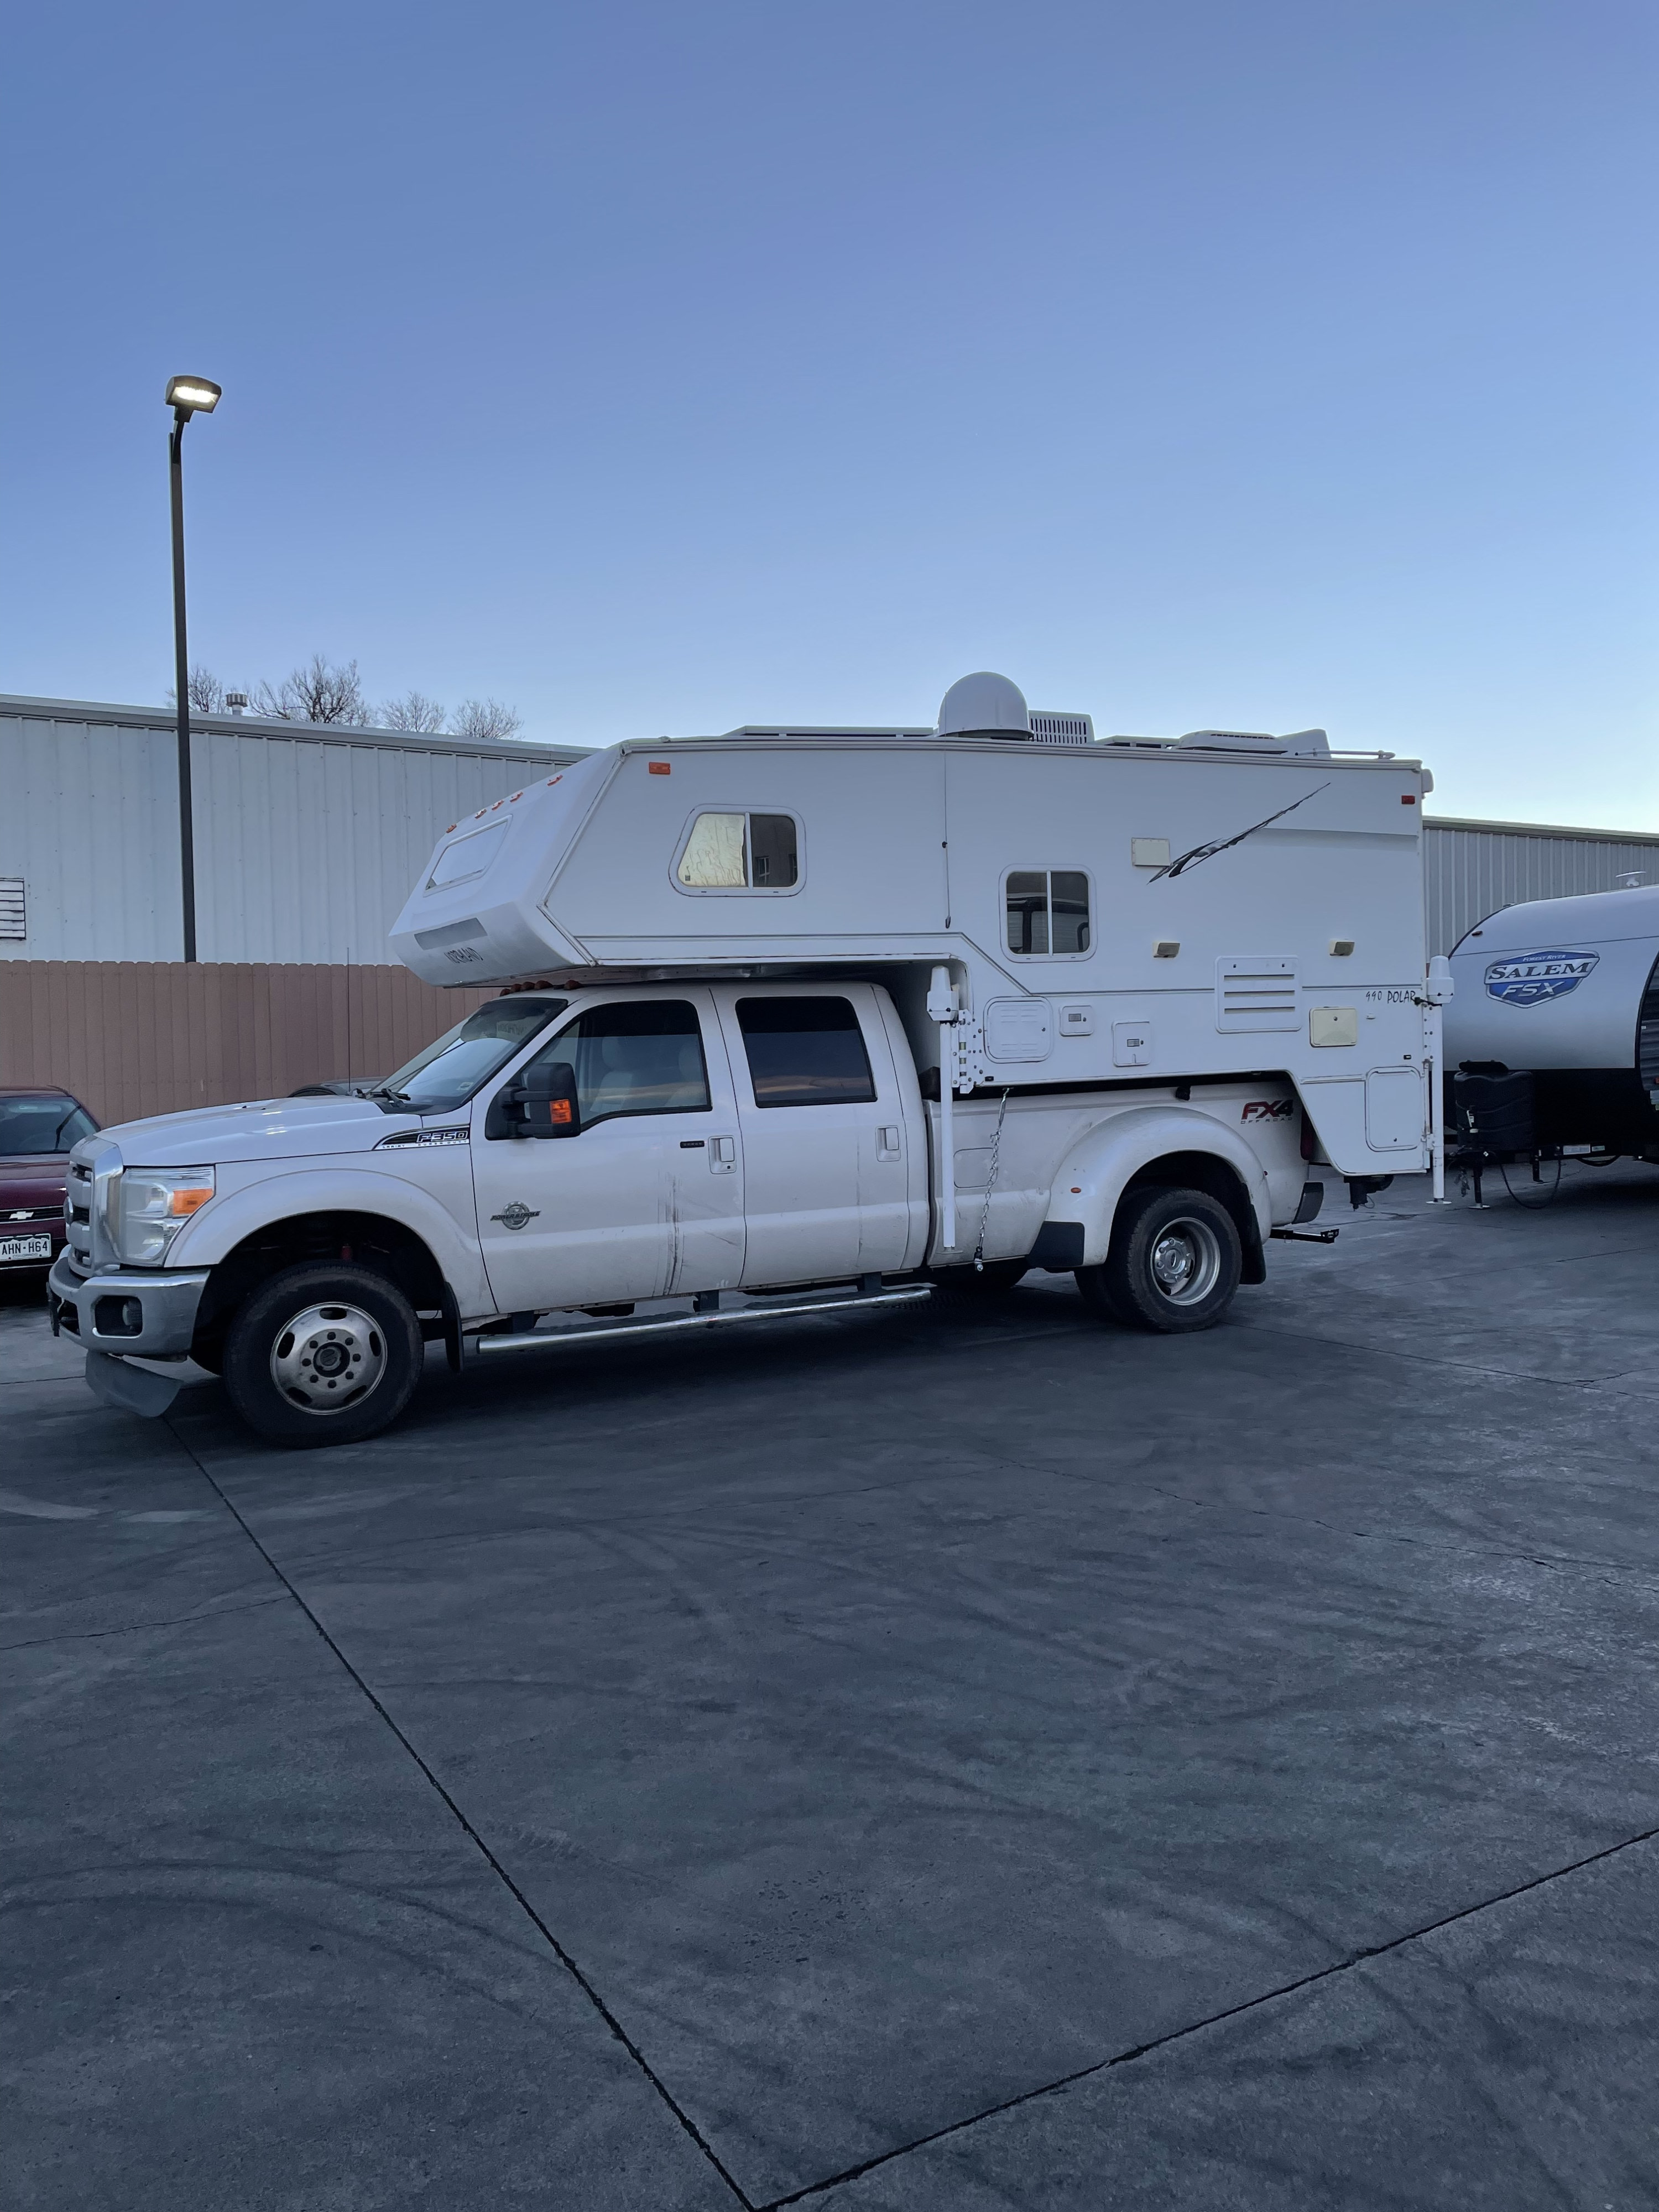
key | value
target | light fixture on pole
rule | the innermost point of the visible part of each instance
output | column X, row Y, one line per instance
column 186, row 396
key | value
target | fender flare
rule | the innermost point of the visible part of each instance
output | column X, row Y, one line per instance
column 220, row 1227
column 1105, row 1159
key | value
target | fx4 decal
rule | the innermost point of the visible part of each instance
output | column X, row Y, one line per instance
column 1269, row 1110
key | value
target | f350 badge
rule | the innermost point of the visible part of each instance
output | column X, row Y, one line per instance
column 516, row 1215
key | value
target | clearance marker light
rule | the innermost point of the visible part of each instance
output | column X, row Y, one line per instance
column 658, row 768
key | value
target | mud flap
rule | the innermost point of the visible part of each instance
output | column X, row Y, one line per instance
column 134, row 1389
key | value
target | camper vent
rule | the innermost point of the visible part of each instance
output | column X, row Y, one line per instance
column 1257, row 992
column 1063, row 729
column 13, row 923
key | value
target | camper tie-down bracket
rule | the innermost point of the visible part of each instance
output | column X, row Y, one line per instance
column 962, row 1068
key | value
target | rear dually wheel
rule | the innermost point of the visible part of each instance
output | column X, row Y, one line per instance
column 1174, row 1265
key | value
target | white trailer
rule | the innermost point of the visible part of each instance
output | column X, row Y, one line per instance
column 1555, row 1027
column 825, row 1017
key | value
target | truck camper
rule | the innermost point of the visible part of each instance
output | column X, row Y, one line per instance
column 797, row 1019
column 1553, row 1040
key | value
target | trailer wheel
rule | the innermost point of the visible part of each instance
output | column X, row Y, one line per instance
column 977, row 1286
column 323, row 1354
column 1173, row 1264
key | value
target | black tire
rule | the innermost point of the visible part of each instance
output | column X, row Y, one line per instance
column 1174, row 1265
column 345, row 1372
column 977, row 1286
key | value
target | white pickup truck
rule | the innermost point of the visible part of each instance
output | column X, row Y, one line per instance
column 799, row 1021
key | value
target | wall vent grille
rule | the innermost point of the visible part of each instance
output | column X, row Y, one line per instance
column 1257, row 992
column 14, row 921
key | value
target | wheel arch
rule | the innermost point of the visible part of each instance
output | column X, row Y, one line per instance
column 1171, row 1146
column 357, row 1236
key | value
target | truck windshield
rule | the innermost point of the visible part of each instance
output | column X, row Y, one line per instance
column 446, row 1075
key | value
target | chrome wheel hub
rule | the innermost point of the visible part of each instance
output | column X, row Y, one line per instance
column 328, row 1358
column 1185, row 1261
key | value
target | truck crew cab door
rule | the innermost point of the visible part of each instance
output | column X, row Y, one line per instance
column 831, row 1188
column 646, row 1199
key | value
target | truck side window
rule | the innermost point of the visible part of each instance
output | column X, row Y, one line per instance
column 639, row 1057
column 740, row 852
column 1048, row 911
column 804, row 1052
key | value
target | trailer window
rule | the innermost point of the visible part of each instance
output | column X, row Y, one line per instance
column 740, row 852
column 642, row 1056
column 1048, row 911
column 804, row 1052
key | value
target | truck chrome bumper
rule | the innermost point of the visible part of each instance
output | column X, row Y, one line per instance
column 126, row 1310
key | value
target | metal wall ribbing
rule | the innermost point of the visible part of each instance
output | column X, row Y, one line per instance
column 307, row 840
column 1471, row 868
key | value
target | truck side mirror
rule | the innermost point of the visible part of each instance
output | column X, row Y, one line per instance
column 542, row 1102
column 547, row 1100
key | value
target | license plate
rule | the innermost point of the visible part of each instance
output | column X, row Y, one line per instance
column 25, row 1247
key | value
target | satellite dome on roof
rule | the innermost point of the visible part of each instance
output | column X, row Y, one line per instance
column 984, row 706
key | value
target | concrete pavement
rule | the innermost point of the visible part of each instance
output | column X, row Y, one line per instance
column 1010, row 1763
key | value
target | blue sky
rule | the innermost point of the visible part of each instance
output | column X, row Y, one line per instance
column 662, row 367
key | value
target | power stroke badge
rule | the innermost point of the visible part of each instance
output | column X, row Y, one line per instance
column 1527, row 979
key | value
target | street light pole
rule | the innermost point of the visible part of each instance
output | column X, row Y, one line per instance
column 186, row 396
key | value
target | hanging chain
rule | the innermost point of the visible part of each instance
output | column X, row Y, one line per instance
column 990, row 1185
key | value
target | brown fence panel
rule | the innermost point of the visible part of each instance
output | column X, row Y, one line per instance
column 131, row 1037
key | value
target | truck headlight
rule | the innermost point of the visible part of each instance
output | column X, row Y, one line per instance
column 152, row 1207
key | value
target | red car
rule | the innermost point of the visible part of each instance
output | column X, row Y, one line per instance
column 37, row 1128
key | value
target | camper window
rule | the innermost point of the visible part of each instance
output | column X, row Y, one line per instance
column 463, row 857
column 805, row 1052
column 1048, row 913
column 639, row 1057
column 739, row 853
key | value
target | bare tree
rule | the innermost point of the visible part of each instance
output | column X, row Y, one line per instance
column 207, row 693
column 414, row 711
column 482, row 720
column 319, row 692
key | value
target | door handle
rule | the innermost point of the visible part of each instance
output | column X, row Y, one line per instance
column 887, row 1144
column 722, row 1156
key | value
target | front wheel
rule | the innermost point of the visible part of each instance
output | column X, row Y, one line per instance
column 1175, row 1262
column 323, row 1354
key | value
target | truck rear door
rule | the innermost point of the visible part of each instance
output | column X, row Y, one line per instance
column 826, row 1131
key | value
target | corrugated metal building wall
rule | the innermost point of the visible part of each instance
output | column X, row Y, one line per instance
column 1471, row 868
column 307, row 840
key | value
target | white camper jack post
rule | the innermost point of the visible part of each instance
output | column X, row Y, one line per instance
column 1165, row 982
column 942, row 1009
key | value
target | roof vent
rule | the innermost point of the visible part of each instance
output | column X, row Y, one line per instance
column 984, row 706
column 1232, row 741
column 1061, row 729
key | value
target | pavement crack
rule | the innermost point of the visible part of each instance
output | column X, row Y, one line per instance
column 473, row 1835
column 1430, row 1359
column 1611, row 1568
column 138, row 1627
column 1343, row 1966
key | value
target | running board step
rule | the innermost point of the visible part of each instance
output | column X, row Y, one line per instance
column 716, row 1317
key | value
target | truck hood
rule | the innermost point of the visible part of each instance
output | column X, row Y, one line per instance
column 264, row 1129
